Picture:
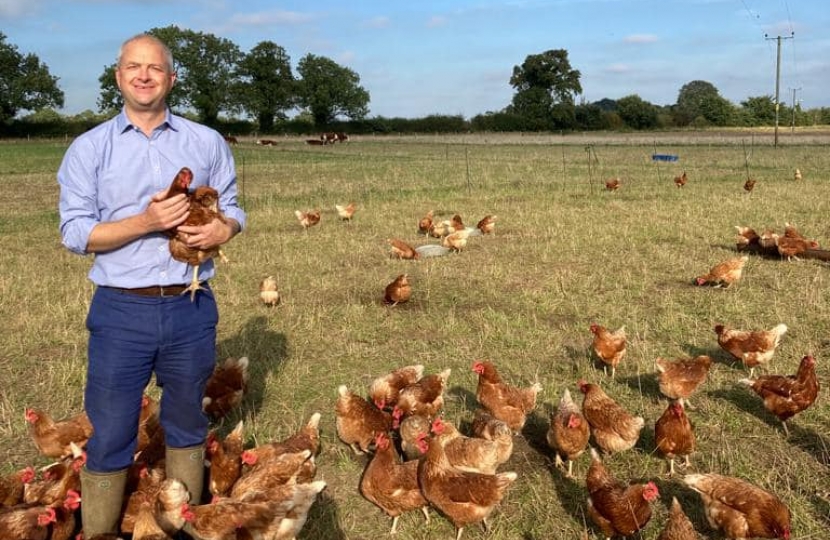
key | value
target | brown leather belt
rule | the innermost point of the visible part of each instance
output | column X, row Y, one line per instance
column 153, row 290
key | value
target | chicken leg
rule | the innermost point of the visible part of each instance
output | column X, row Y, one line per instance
column 194, row 284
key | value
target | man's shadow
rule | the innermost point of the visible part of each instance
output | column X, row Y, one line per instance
column 266, row 351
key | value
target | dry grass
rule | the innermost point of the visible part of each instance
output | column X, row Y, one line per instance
column 566, row 253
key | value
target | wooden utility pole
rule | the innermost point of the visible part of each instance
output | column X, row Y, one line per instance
column 792, row 126
column 778, row 80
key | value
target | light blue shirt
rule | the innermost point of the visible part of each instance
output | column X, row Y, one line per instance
column 111, row 172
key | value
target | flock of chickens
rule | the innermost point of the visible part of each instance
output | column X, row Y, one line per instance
column 452, row 233
column 257, row 493
column 613, row 184
column 421, row 460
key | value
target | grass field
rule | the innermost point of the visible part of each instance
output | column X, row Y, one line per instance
column 566, row 253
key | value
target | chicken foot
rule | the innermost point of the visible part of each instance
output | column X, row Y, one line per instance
column 194, row 284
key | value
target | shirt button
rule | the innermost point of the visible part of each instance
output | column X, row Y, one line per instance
column 163, row 274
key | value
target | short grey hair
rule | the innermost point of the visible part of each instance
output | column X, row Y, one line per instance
column 168, row 55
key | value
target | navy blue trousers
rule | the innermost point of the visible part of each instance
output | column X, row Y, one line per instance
column 130, row 338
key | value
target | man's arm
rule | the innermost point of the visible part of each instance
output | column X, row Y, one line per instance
column 161, row 214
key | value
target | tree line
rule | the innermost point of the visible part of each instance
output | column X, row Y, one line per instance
column 244, row 92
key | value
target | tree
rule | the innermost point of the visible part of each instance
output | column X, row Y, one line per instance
column 760, row 110
column 701, row 100
column 329, row 90
column 25, row 83
column 267, row 87
column 545, row 88
column 206, row 74
column 636, row 112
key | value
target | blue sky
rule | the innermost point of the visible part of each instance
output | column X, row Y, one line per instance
column 423, row 57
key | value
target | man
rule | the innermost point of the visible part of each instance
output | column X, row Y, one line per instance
column 113, row 181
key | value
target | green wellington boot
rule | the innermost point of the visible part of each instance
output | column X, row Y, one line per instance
column 102, row 495
column 187, row 465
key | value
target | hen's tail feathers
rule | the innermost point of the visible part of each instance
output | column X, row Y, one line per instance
column 432, row 250
column 748, row 382
column 780, row 330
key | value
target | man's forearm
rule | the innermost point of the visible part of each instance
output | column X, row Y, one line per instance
column 114, row 234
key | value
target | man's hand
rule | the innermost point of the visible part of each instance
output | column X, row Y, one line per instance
column 208, row 236
column 162, row 214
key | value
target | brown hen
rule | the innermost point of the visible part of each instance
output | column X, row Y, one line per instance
column 510, row 404
column 723, row 274
column 307, row 218
column 678, row 527
column 614, row 428
column 609, row 346
column 54, row 438
column 752, row 347
column 426, row 396
column 678, row 379
column 568, row 433
column 673, row 434
column 473, row 454
column 387, row 388
column 740, row 509
column 787, row 395
column 225, row 459
column 402, row 250
column 390, row 484
column 357, row 421
column 203, row 209
column 226, row 387
column 463, row 497
column 616, row 508
column 399, row 291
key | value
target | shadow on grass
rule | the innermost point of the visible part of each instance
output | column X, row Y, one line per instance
column 465, row 398
column 645, row 384
column 266, row 351
column 744, row 399
column 323, row 521
column 815, row 444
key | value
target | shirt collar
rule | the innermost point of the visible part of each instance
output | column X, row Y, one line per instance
column 123, row 122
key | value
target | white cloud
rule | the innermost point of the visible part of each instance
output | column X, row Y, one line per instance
column 377, row 22
column 12, row 9
column 269, row 18
column 640, row 38
column 618, row 68
column 436, row 21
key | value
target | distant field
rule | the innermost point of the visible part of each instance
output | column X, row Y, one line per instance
column 566, row 253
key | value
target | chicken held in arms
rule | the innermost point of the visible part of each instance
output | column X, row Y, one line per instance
column 204, row 208
column 787, row 395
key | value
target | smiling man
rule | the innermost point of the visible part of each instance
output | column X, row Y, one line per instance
column 113, row 186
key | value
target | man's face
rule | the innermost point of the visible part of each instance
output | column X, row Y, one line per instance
column 144, row 77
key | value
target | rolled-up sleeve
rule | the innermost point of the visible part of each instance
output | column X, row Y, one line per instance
column 225, row 183
column 78, row 207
